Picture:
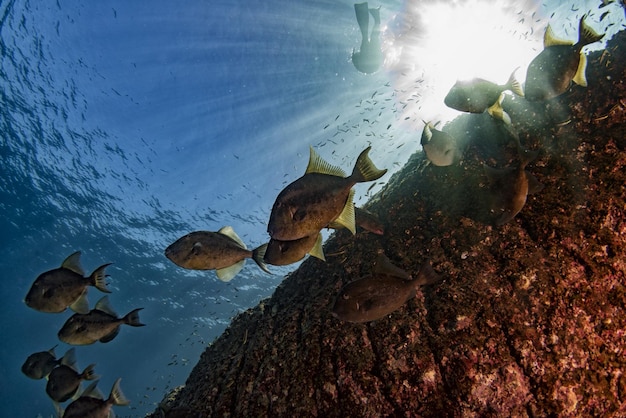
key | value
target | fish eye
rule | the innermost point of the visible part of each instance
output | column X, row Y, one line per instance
column 345, row 297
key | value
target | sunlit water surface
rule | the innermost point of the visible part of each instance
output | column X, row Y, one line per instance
column 128, row 124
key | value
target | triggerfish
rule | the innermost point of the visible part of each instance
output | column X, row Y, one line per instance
column 379, row 294
column 321, row 198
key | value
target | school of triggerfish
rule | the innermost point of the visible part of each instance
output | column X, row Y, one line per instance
column 321, row 198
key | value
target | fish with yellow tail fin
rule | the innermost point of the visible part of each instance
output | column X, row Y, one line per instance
column 222, row 251
column 281, row 253
column 477, row 95
column 441, row 148
column 91, row 404
column 552, row 71
column 381, row 293
column 321, row 198
column 56, row 290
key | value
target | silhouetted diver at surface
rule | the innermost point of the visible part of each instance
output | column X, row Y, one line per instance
column 370, row 56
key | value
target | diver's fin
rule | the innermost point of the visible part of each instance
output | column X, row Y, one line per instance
column 226, row 274
column 580, row 78
column 318, row 250
column 258, row 254
column 318, row 165
column 98, row 278
column 346, row 218
column 365, row 170
column 72, row 262
column 362, row 18
column 230, row 233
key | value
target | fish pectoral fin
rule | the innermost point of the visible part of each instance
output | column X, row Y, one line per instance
column 318, row 165
column 230, row 233
column 226, row 274
column 110, row 336
column 346, row 218
column 318, row 251
column 496, row 111
column 72, row 262
column 81, row 305
column 580, row 78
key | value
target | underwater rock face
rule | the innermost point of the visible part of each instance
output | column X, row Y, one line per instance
column 529, row 319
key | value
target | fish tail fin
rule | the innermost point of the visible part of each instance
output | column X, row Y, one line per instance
column 258, row 254
column 586, row 35
column 117, row 397
column 365, row 170
column 99, row 278
column 514, row 85
column 89, row 373
column 427, row 275
column 132, row 318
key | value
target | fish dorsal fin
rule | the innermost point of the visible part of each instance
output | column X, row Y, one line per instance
column 318, row 165
column 230, row 233
column 346, row 218
column 318, row 251
column 226, row 274
column 105, row 306
column 427, row 134
column 550, row 39
column 117, row 396
column 69, row 359
column 580, row 78
column 92, row 391
column 384, row 266
column 81, row 305
column 72, row 262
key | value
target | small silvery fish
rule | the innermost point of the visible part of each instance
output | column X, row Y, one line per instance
column 441, row 148
column 477, row 95
column 66, row 286
column 100, row 324
column 552, row 71
column 281, row 253
column 64, row 381
column 321, row 198
column 39, row 365
column 379, row 294
column 222, row 251
column 91, row 404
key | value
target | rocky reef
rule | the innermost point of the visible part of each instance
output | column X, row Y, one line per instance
column 530, row 317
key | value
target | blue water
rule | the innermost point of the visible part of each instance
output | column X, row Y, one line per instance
column 126, row 125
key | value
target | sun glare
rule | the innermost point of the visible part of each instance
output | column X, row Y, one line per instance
column 432, row 45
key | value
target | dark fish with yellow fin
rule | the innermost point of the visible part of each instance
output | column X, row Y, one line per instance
column 91, row 404
column 381, row 293
column 281, row 253
column 368, row 221
column 222, row 251
column 552, row 71
column 441, row 148
column 321, row 198
column 100, row 324
column 477, row 95
column 39, row 365
column 56, row 290
column 64, row 380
